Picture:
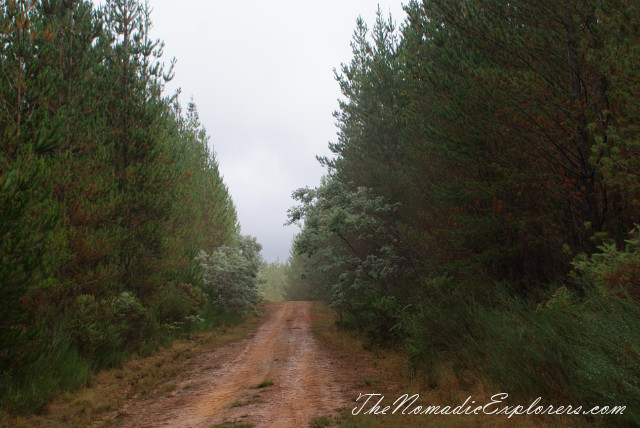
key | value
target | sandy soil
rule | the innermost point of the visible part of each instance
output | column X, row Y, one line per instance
column 221, row 386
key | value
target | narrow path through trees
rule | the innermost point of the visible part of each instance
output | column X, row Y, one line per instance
column 233, row 383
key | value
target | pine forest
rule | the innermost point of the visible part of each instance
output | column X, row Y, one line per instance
column 479, row 210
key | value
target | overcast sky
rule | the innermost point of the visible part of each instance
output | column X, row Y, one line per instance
column 261, row 74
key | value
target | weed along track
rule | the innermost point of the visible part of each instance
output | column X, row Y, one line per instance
column 279, row 377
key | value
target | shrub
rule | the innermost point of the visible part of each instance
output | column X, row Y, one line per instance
column 178, row 301
column 230, row 274
column 581, row 352
column 612, row 270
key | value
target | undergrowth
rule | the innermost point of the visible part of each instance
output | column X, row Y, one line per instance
column 62, row 365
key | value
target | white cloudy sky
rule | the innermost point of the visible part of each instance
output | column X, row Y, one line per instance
column 261, row 74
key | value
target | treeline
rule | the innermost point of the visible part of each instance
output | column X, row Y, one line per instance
column 480, row 208
column 289, row 281
column 274, row 281
column 110, row 200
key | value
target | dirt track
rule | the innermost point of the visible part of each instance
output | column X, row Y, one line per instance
column 221, row 387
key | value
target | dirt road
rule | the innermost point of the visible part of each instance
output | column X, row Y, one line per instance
column 224, row 386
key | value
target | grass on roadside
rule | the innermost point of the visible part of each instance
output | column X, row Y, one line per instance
column 385, row 372
column 233, row 425
column 137, row 378
column 240, row 403
column 263, row 384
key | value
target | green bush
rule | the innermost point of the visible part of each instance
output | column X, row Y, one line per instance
column 612, row 270
column 440, row 324
column 60, row 366
column 578, row 347
column 583, row 352
column 178, row 301
column 231, row 274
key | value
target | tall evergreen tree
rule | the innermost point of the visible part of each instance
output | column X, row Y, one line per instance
column 107, row 193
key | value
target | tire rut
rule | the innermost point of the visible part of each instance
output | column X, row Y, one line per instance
column 222, row 387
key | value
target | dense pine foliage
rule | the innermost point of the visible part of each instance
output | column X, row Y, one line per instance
column 110, row 199
column 480, row 208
